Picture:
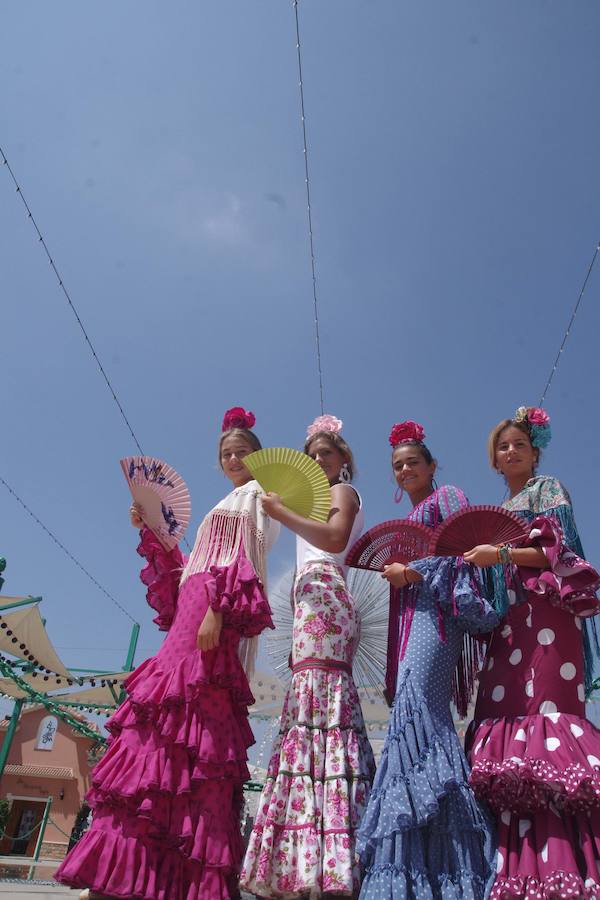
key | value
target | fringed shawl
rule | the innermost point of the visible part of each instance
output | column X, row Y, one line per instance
column 236, row 523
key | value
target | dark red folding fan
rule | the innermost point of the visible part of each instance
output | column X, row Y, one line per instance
column 398, row 540
column 475, row 525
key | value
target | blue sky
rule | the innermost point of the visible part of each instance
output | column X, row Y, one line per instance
column 454, row 156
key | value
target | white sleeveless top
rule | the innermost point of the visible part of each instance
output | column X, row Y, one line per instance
column 306, row 553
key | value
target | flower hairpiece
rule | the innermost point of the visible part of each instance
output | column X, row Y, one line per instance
column 404, row 432
column 324, row 423
column 537, row 421
column 238, row 417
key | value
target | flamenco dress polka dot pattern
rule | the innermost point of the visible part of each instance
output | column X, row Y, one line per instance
column 167, row 794
column 424, row 835
column 535, row 757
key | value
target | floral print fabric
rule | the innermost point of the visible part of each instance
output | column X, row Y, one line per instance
column 322, row 765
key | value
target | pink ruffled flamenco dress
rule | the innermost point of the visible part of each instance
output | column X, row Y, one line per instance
column 167, row 794
column 535, row 758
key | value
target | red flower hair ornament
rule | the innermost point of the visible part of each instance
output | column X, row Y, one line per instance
column 238, row 417
column 405, row 432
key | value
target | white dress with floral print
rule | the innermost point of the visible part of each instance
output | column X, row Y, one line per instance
column 321, row 770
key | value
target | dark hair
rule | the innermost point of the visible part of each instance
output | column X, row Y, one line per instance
column 421, row 447
column 337, row 441
column 497, row 430
column 243, row 433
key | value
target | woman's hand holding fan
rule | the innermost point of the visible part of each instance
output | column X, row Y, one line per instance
column 399, row 575
column 476, row 532
column 290, row 479
column 161, row 500
column 272, row 505
column 136, row 516
column 483, row 556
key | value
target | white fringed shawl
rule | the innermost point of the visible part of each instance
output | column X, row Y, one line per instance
column 236, row 521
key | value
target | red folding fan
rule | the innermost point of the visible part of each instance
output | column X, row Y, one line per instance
column 398, row 540
column 475, row 525
column 163, row 495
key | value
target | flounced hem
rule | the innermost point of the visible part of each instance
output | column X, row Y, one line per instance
column 292, row 803
column 129, row 868
column 322, row 699
column 293, row 862
column 161, row 576
column 458, row 839
column 404, row 883
column 237, row 592
column 336, row 753
column 557, row 886
column 178, row 824
column 571, row 582
column 416, row 770
column 527, row 763
column 123, row 776
column 154, row 691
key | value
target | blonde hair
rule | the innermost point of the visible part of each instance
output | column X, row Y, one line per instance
column 497, row 430
column 337, row 441
column 245, row 434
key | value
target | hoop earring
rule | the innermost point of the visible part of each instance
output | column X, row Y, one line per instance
column 434, row 484
column 344, row 474
column 398, row 496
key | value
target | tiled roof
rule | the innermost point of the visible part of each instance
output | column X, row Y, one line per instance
column 40, row 771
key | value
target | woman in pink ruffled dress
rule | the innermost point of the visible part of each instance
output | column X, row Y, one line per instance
column 535, row 758
column 303, row 840
column 167, row 794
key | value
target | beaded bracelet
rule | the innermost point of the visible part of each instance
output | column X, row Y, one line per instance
column 504, row 554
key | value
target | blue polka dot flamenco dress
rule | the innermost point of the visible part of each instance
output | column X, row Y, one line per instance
column 424, row 835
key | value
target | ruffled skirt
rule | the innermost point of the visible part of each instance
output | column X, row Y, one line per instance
column 303, row 840
column 424, row 835
column 541, row 774
column 167, row 794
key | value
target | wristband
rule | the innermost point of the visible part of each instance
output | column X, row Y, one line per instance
column 504, row 554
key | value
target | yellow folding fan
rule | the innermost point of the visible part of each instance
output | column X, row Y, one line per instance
column 298, row 479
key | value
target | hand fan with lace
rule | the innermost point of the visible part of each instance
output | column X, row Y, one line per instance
column 475, row 525
column 398, row 540
column 162, row 494
column 298, row 479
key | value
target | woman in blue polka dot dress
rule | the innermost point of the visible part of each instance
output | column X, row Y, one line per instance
column 424, row 835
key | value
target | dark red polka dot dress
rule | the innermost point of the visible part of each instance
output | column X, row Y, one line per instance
column 535, row 758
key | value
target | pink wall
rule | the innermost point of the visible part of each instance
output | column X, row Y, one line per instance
column 70, row 750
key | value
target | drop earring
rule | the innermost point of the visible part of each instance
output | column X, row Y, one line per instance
column 344, row 475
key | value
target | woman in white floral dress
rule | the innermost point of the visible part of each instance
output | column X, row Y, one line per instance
column 319, row 777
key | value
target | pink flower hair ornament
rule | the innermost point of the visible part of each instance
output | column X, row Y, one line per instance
column 406, row 432
column 238, row 417
column 324, row 423
column 537, row 421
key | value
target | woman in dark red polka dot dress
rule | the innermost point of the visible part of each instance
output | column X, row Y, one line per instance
column 535, row 758
column 167, row 793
